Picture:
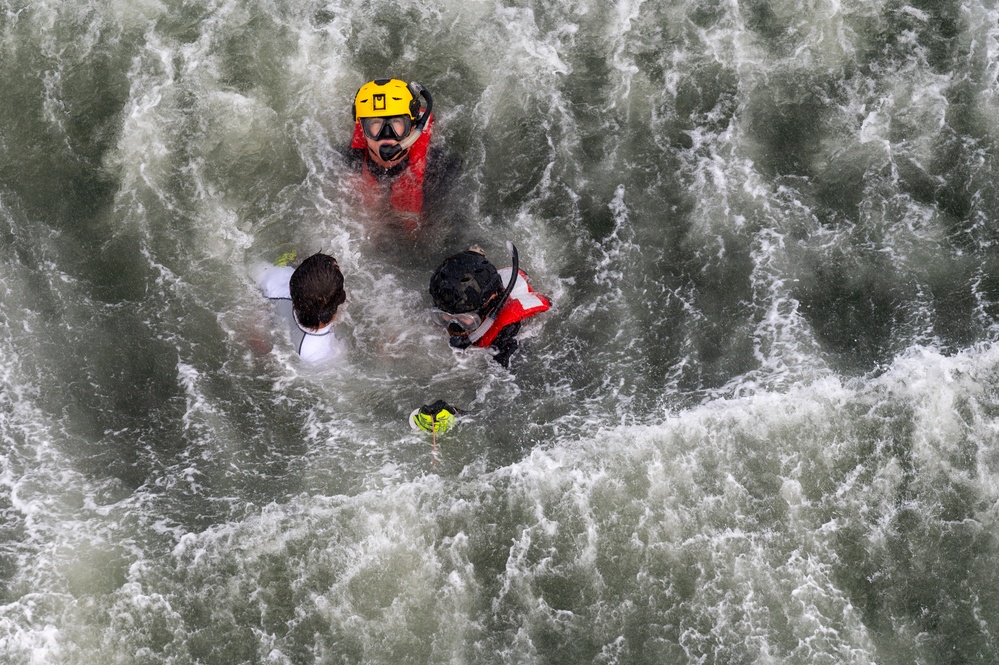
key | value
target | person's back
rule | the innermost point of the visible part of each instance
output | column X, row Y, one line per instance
column 315, row 292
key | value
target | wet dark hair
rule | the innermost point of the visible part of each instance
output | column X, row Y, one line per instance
column 317, row 290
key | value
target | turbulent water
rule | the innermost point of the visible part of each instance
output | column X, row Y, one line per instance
column 759, row 424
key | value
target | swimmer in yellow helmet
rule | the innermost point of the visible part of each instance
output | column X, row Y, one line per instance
column 391, row 149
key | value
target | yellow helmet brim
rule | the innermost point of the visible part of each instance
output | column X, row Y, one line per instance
column 385, row 97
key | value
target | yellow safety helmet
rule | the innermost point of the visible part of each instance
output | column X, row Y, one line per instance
column 385, row 97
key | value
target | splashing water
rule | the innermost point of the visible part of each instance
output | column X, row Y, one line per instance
column 756, row 427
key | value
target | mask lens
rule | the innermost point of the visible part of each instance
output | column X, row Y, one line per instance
column 456, row 324
column 400, row 125
column 373, row 127
column 392, row 128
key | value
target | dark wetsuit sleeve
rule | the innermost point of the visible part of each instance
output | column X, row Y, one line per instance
column 506, row 343
column 443, row 169
column 354, row 157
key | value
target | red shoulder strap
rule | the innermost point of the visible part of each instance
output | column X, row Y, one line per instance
column 522, row 304
column 357, row 141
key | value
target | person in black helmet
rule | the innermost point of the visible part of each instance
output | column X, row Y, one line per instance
column 401, row 173
column 473, row 303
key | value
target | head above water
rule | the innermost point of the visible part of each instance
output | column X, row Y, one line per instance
column 391, row 118
column 317, row 290
column 465, row 282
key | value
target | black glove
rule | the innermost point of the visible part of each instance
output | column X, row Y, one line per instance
column 506, row 343
column 458, row 342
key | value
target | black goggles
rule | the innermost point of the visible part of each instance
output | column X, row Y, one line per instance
column 396, row 127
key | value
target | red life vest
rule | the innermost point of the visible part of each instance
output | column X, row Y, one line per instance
column 523, row 303
column 406, row 192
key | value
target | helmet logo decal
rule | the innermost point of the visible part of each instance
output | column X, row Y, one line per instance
column 378, row 101
column 470, row 282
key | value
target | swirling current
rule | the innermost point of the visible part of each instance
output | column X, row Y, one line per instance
column 759, row 424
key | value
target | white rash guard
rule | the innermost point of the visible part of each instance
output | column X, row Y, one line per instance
column 314, row 345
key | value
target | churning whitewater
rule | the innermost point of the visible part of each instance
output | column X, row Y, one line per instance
column 758, row 425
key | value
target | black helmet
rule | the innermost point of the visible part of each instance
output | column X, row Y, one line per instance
column 465, row 282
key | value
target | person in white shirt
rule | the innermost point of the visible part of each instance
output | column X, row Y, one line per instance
column 315, row 289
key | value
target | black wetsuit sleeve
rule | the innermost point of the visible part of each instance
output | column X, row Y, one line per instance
column 506, row 343
column 354, row 157
column 443, row 169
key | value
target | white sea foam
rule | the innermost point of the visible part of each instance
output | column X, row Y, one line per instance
column 676, row 513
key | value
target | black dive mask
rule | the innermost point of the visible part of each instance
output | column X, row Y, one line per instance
column 391, row 128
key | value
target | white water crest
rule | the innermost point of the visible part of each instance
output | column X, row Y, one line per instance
column 757, row 426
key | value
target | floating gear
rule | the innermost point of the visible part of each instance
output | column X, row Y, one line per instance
column 437, row 417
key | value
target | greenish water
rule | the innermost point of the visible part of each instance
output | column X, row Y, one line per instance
column 757, row 426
